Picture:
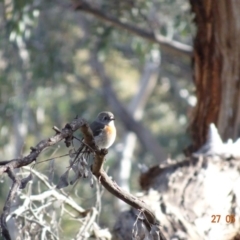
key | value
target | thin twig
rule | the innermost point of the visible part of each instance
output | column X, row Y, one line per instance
column 66, row 133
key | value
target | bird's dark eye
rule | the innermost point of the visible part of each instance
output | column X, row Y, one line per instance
column 105, row 118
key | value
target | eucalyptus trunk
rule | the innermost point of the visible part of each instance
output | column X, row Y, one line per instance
column 216, row 69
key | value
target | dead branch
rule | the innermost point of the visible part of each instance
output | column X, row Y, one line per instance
column 97, row 168
column 66, row 133
column 9, row 166
column 33, row 212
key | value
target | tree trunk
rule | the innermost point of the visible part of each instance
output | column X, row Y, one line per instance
column 216, row 69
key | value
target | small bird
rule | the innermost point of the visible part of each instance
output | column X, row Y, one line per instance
column 104, row 131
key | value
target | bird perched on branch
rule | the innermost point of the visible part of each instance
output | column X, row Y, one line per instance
column 104, row 131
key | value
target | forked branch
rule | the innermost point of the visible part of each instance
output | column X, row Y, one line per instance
column 66, row 133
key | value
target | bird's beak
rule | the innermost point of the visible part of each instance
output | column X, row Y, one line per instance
column 112, row 119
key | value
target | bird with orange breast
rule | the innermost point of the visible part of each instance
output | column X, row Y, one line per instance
column 104, row 130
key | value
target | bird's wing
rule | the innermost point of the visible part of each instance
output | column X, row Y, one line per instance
column 97, row 128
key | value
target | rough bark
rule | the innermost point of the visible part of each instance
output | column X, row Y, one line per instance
column 216, row 69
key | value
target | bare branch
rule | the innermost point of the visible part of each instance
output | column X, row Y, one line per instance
column 66, row 134
column 54, row 193
column 97, row 169
column 167, row 44
column 149, row 217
